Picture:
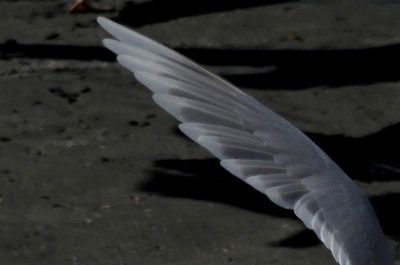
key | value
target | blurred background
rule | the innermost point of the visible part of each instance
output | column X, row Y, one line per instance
column 93, row 172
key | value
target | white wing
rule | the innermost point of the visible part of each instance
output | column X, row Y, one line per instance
column 258, row 146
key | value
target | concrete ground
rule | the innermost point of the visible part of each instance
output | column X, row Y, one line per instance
column 93, row 172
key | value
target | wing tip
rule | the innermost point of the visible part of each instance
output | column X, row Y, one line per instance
column 228, row 164
column 125, row 61
column 169, row 103
column 103, row 21
column 109, row 43
column 191, row 130
column 231, row 166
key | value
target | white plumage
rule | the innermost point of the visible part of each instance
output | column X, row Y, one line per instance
column 258, row 146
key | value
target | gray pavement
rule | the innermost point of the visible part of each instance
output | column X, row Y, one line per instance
column 93, row 172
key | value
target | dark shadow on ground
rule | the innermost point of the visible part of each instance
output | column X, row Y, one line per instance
column 386, row 208
column 297, row 69
column 207, row 180
column 369, row 158
column 12, row 49
column 302, row 239
column 294, row 69
column 139, row 14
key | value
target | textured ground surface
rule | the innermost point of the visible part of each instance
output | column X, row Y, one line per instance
column 92, row 172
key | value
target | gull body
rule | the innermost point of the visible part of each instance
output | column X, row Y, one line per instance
column 258, row 146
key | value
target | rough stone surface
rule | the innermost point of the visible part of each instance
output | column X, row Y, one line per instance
column 93, row 172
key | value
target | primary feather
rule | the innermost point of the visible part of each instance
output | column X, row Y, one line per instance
column 258, row 146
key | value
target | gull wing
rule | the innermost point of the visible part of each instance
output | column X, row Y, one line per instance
column 258, row 146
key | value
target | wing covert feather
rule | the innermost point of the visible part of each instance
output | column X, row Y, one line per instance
column 258, row 146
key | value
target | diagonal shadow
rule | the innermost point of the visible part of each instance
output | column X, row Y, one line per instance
column 12, row 49
column 301, row 239
column 295, row 69
column 386, row 208
column 368, row 158
column 139, row 14
column 207, row 180
column 306, row 68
